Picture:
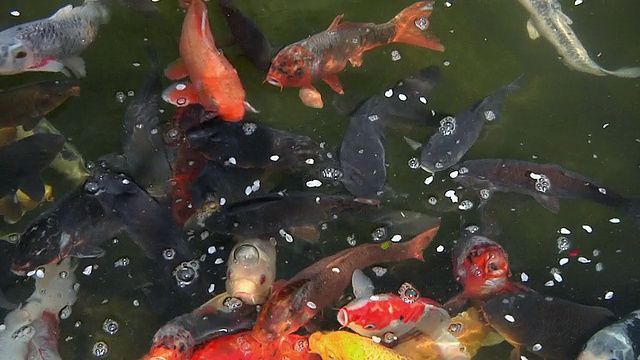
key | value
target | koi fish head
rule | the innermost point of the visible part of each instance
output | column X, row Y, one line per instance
column 39, row 246
column 251, row 271
column 15, row 57
column 291, row 67
column 372, row 316
column 484, row 268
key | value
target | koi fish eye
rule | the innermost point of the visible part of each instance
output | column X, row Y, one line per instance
column 21, row 54
column 370, row 326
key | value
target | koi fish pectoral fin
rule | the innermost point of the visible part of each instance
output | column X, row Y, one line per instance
column 334, row 83
column 50, row 66
column 250, row 108
column 550, row 203
column 335, row 22
column 356, row 60
column 531, row 29
column 76, row 65
column 176, row 70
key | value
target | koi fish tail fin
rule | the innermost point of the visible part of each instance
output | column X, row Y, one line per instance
column 625, row 72
column 411, row 26
column 632, row 207
column 422, row 240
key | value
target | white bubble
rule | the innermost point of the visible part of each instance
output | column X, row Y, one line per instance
column 423, row 99
column 388, row 93
column 578, row 2
column 395, row 55
column 563, row 261
column 510, row 318
column 274, row 157
column 453, row 174
column 608, row 295
column 88, row 270
column 379, row 270
column 181, row 87
column 218, row 261
column 614, row 221
column 309, row 161
column 599, row 267
column 524, row 277
column 335, row 270
column 583, row 260
column 311, row 305
column 211, row 288
column 40, row 273
column 232, row 160
column 211, row 250
column 15, row 13
column 549, row 283
column 396, row 238
column 587, row 228
column 222, row 201
column 402, row 97
column 428, row 180
column 314, row 183
column 440, row 248
column 565, row 231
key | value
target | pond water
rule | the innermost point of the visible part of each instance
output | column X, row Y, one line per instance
column 585, row 123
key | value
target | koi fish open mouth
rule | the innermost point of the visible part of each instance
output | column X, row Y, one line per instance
column 274, row 82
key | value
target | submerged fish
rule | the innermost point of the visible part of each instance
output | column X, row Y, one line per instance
column 52, row 44
column 548, row 20
column 251, row 270
column 457, row 134
column 620, row 341
column 549, row 327
column 546, row 183
column 22, row 161
column 13, row 207
column 247, row 35
column 69, row 162
column 214, row 82
column 143, row 145
column 482, row 267
column 247, row 144
column 292, row 215
column 25, row 105
column 362, row 152
column 323, row 55
column 344, row 345
column 315, row 287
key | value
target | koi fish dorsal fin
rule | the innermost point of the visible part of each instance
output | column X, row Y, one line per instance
column 62, row 12
column 335, row 22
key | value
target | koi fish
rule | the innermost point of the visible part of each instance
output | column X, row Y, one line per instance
column 243, row 346
column 620, row 340
column 390, row 314
column 13, row 207
column 548, row 20
column 251, row 270
column 214, row 82
column 323, row 55
column 52, row 44
column 313, row 288
column 546, row 183
column 22, row 161
column 219, row 317
column 549, row 327
column 25, row 105
column 482, row 267
column 344, row 345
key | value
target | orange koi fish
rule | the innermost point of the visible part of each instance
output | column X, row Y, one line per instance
column 243, row 346
column 323, row 55
column 214, row 82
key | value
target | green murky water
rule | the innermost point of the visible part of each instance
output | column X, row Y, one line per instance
column 585, row 123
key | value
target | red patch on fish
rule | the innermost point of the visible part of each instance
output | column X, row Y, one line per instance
column 243, row 346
